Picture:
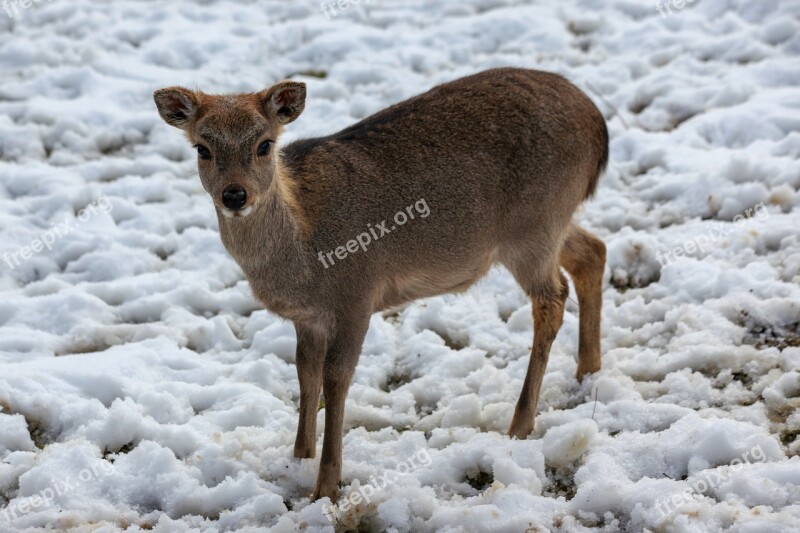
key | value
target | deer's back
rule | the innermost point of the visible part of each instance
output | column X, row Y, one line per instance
column 488, row 140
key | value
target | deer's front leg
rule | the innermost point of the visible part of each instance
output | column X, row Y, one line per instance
column 309, row 360
column 340, row 364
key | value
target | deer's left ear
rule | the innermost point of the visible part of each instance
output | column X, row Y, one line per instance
column 177, row 106
column 285, row 100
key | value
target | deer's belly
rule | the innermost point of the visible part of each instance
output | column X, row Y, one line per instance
column 403, row 288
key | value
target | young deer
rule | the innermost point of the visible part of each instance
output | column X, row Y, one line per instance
column 502, row 158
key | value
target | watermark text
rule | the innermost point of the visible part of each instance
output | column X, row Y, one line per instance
column 373, row 233
column 710, row 480
column 703, row 242
column 365, row 492
column 57, row 231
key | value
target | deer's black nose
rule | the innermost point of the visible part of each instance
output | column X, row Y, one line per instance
column 234, row 197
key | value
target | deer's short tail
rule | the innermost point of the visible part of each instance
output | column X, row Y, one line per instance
column 602, row 160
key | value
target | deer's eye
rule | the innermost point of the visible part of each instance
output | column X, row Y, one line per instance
column 203, row 152
column 263, row 148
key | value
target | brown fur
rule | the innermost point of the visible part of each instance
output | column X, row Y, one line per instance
column 502, row 158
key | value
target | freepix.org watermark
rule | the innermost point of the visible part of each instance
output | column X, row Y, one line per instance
column 58, row 487
column 665, row 8
column 365, row 492
column 373, row 233
column 704, row 241
column 12, row 7
column 710, row 480
column 328, row 8
column 57, row 231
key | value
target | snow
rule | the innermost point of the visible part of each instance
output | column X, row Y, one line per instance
column 143, row 387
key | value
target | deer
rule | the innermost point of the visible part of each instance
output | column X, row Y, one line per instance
column 503, row 158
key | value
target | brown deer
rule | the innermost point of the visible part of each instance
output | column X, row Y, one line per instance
column 502, row 158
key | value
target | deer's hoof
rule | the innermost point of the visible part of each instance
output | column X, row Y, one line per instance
column 521, row 429
column 583, row 371
column 320, row 492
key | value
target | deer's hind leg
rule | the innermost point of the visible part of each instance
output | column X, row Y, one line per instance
column 548, row 292
column 583, row 256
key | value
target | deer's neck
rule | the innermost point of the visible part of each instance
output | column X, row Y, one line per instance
column 268, row 246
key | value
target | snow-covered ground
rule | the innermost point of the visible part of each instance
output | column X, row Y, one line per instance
column 142, row 387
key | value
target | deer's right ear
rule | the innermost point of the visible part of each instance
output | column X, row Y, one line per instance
column 177, row 106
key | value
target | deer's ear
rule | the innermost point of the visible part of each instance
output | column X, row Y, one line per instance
column 177, row 106
column 285, row 100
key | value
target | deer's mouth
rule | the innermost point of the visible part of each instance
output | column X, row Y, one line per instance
column 228, row 213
